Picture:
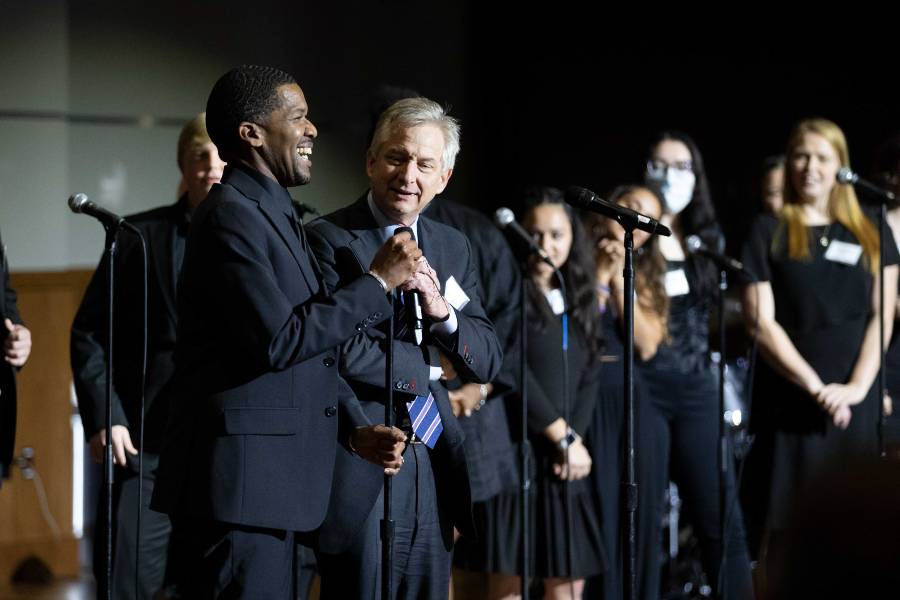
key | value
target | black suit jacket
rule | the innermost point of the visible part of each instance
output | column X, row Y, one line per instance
column 8, row 310
column 345, row 243
column 253, row 427
column 161, row 228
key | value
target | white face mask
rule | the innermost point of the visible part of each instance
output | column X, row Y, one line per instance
column 676, row 186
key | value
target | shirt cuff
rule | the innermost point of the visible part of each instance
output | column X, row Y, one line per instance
column 434, row 361
column 447, row 327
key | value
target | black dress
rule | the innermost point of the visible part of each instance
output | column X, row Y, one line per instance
column 824, row 307
column 606, row 443
column 498, row 519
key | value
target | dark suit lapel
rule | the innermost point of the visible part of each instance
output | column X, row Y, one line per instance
column 435, row 258
column 367, row 240
column 279, row 220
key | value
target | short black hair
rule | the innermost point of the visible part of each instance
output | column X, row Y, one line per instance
column 245, row 93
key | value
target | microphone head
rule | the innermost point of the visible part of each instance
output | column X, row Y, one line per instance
column 846, row 175
column 579, row 196
column 77, row 202
column 693, row 243
column 503, row 217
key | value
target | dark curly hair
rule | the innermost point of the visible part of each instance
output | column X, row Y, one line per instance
column 245, row 93
column 578, row 271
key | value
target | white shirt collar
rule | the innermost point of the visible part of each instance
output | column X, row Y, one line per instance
column 387, row 226
column 555, row 300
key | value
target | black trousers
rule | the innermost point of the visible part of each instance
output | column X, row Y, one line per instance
column 682, row 438
column 219, row 560
column 155, row 531
column 421, row 563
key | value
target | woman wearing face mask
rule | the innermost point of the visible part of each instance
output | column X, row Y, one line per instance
column 650, row 312
column 680, row 382
column 814, row 310
column 556, row 229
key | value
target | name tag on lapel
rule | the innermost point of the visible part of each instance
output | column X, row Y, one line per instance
column 677, row 283
column 455, row 294
column 843, row 252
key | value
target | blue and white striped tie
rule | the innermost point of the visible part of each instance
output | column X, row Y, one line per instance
column 425, row 419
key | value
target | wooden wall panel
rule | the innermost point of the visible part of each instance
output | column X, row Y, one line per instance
column 47, row 302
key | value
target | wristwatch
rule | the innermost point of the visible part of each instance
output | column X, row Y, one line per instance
column 571, row 438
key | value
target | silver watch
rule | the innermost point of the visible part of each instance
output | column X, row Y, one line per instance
column 570, row 438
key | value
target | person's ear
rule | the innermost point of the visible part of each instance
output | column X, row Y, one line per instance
column 251, row 133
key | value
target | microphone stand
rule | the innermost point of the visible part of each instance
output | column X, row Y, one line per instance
column 629, row 485
column 387, row 521
column 848, row 177
column 111, row 247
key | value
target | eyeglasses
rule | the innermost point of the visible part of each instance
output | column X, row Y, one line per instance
column 657, row 166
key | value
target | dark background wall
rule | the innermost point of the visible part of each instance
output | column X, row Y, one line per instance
column 546, row 94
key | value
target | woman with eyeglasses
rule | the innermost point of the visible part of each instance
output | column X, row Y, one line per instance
column 680, row 381
column 814, row 310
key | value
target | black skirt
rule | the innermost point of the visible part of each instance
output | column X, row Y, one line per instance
column 499, row 524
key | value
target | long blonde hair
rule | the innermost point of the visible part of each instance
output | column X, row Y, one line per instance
column 843, row 206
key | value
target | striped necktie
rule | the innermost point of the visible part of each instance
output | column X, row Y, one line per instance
column 425, row 419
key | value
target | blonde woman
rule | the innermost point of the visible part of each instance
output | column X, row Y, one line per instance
column 814, row 310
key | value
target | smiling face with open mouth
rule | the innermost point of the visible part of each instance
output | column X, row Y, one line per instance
column 406, row 171
column 287, row 140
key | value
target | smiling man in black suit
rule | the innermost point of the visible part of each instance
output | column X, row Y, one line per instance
column 250, row 448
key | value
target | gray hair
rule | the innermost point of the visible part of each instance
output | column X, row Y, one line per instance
column 413, row 112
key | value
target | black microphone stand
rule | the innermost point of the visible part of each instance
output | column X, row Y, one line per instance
column 629, row 485
column 387, row 521
column 111, row 247
column 848, row 177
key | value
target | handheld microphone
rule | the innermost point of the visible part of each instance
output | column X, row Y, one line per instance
column 696, row 245
column 505, row 219
column 411, row 299
column 79, row 203
column 848, row 176
column 627, row 218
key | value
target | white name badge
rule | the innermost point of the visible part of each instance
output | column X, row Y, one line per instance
column 677, row 283
column 843, row 252
column 454, row 294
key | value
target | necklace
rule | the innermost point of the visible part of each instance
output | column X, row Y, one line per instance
column 823, row 239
